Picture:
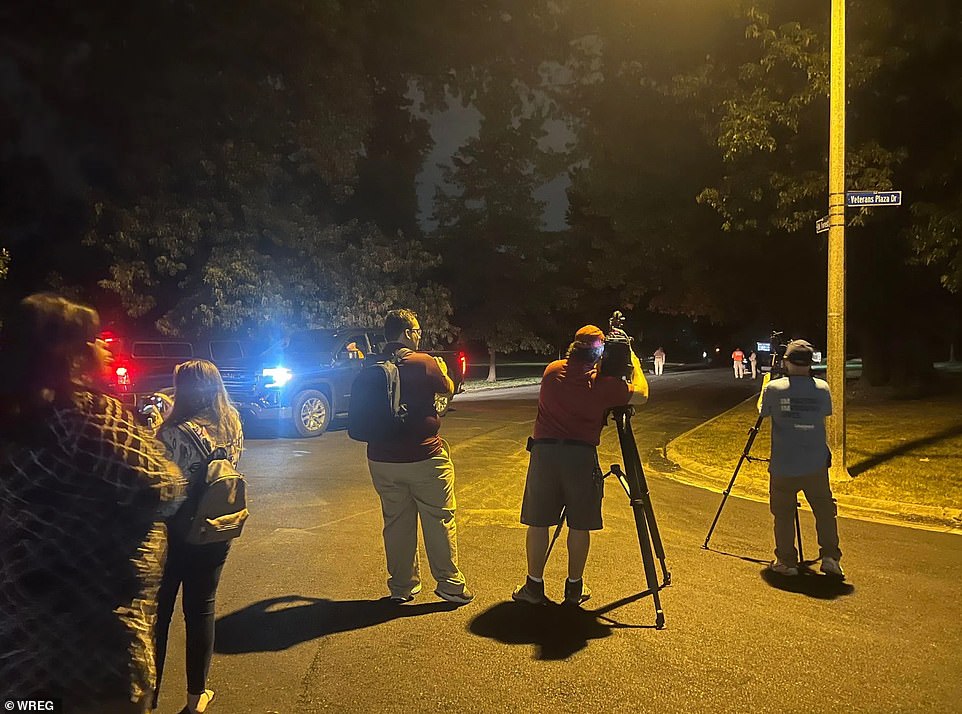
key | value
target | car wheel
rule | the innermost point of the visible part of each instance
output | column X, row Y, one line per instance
column 311, row 413
column 441, row 403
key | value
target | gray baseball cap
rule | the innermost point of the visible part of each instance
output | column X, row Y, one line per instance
column 799, row 352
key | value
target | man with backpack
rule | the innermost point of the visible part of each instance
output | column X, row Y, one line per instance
column 410, row 464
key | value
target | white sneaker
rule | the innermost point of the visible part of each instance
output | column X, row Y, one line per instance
column 831, row 567
column 777, row 566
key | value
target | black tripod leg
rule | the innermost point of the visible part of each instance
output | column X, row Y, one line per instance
column 557, row 532
column 644, row 495
column 629, row 450
column 640, row 509
column 798, row 534
column 648, row 560
column 752, row 433
column 656, row 543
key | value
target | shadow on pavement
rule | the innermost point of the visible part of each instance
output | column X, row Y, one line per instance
column 746, row 558
column 809, row 583
column 556, row 631
column 863, row 466
column 282, row 622
column 602, row 612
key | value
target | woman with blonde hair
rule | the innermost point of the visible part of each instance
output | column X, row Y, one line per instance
column 202, row 413
column 83, row 493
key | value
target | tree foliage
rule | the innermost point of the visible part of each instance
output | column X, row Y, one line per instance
column 502, row 265
column 250, row 166
column 770, row 127
column 236, row 187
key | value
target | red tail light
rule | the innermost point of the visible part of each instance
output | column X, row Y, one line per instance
column 463, row 361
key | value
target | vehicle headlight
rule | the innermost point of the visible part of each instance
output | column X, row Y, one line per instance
column 279, row 376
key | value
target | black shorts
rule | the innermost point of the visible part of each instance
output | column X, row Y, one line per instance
column 563, row 475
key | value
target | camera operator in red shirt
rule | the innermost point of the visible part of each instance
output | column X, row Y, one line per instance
column 563, row 470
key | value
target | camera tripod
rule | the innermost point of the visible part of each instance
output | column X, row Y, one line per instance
column 752, row 433
column 632, row 479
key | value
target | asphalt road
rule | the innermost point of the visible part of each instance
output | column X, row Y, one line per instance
column 302, row 625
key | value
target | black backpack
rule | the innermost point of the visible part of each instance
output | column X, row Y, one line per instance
column 216, row 505
column 376, row 412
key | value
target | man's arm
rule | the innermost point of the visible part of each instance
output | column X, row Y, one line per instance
column 826, row 401
column 763, row 408
column 449, row 384
column 639, row 385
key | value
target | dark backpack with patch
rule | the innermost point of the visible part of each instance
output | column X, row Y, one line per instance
column 216, row 505
column 376, row 412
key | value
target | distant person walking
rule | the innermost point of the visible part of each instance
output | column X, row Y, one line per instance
column 83, row 492
column 413, row 474
column 753, row 360
column 201, row 405
column 659, row 361
column 738, row 362
column 798, row 405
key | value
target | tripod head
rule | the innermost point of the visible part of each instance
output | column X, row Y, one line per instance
column 625, row 411
column 778, row 354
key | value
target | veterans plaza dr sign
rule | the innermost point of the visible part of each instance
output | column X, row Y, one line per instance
column 855, row 199
column 862, row 199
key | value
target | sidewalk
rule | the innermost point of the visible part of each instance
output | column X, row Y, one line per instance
column 904, row 457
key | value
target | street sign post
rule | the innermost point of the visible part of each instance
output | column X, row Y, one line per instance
column 835, row 326
column 859, row 199
column 822, row 225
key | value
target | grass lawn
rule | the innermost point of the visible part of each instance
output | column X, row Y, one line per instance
column 479, row 385
column 906, row 451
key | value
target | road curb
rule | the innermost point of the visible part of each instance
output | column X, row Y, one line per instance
column 910, row 515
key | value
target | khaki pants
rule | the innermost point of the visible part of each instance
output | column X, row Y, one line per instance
column 783, row 495
column 422, row 489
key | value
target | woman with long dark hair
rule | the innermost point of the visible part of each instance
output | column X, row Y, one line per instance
column 201, row 405
column 83, row 491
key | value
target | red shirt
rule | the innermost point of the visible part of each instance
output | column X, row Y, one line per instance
column 421, row 379
column 574, row 399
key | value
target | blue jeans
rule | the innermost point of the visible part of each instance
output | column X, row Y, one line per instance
column 198, row 569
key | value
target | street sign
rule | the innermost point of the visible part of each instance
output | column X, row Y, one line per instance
column 858, row 199
column 822, row 224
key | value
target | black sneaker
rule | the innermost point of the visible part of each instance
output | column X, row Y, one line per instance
column 576, row 592
column 532, row 592
column 461, row 598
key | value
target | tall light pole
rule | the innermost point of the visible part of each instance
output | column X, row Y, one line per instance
column 835, row 346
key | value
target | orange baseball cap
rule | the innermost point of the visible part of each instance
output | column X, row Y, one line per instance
column 589, row 336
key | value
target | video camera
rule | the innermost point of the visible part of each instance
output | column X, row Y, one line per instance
column 776, row 348
column 154, row 409
column 616, row 360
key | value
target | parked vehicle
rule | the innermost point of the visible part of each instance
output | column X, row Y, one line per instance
column 144, row 366
column 306, row 382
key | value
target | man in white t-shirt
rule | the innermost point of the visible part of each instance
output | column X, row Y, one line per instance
column 659, row 361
